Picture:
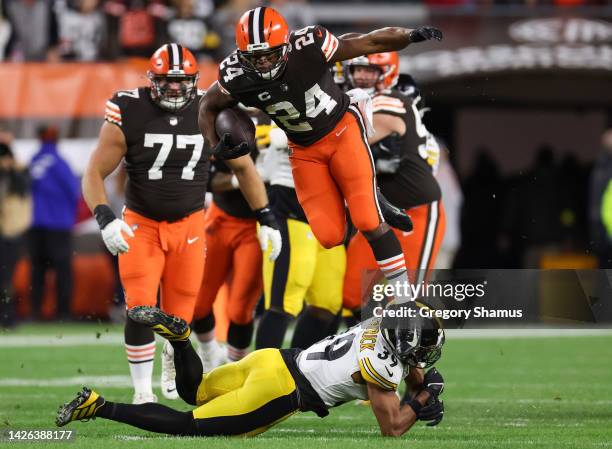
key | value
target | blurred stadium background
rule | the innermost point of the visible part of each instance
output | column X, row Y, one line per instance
column 519, row 91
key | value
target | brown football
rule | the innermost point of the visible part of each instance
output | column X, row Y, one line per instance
column 237, row 123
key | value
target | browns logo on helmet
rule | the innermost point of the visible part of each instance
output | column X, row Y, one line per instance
column 386, row 66
column 262, row 38
column 173, row 72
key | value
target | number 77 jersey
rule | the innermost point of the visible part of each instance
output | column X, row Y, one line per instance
column 166, row 162
column 340, row 367
column 303, row 101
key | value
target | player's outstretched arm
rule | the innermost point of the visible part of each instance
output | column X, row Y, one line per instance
column 393, row 419
column 382, row 40
column 213, row 102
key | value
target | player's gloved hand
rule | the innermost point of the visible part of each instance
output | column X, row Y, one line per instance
column 425, row 33
column 432, row 411
column 388, row 166
column 269, row 231
column 225, row 150
column 396, row 217
column 112, row 228
column 433, row 382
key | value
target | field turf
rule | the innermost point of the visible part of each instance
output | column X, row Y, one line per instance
column 544, row 392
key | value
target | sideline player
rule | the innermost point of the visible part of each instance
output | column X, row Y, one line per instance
column 155, row 129
column 269, row 385
column 407, row 156
column 305, row 271
column 288, row 76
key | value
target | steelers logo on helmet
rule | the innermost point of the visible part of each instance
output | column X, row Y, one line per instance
column 173, row 72
column 416, row 338
column 262, row 38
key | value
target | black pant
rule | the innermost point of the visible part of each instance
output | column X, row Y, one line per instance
column 9, row 254
column 51, row 249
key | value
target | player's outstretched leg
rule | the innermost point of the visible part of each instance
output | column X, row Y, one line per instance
column 170, row 327
column 152, row 417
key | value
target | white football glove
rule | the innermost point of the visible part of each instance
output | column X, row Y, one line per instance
column 265, row 234
column 113, row 237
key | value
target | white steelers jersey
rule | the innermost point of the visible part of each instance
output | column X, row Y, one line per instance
column 339, row 366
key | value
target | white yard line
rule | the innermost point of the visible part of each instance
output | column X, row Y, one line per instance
column 116, row 381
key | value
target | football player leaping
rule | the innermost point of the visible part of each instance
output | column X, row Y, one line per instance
column 287, row 75
column 269, row 385
column 155, row 129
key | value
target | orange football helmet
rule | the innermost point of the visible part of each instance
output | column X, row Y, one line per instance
column 386, row 63
column 262, row 38
column 173, row 72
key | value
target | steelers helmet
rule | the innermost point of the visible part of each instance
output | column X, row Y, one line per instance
column 416, row 340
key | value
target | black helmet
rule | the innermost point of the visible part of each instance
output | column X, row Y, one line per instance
column 416, row 338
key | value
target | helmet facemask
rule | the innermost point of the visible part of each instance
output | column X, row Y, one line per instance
column 173, row 92
column 253, row 60
column 368, row 77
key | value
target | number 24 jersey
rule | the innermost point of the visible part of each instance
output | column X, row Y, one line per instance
column 303, row 101
column 339, row 367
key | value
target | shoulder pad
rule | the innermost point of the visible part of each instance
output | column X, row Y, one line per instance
column 388, row 104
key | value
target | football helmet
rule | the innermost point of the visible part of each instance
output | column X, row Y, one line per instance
column 416, row 340
column 387, row 64
column 262, row 38
column 173, row 72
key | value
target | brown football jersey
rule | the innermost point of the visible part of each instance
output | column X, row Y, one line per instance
column 414, row 183
column 303, row 101
column 166, row 162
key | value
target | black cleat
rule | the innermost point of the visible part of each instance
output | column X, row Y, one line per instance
column 396, row 217
column 170, row 327
column 81, row 408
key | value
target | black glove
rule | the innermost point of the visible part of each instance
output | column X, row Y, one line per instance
column 425, row 33
column 432, row 411
column 224, row 149
column 434, row 382
column 396, row 217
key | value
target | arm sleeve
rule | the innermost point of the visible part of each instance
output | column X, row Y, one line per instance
column 374, row 373
column 112, row 111
column 326, row 42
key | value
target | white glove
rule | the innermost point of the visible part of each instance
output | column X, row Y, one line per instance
column 113, row 238
column 266, row 233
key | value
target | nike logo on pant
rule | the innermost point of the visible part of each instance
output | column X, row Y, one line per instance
column 190, row 241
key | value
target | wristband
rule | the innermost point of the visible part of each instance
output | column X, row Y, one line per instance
column 414, row 405
column 265, row 217
column 104, row 215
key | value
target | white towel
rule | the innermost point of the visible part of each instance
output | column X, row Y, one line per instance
column 363, row 101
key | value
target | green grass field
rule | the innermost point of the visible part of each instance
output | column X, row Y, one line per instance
column 545, row 392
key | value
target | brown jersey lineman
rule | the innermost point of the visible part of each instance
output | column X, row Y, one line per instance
column 155, row 130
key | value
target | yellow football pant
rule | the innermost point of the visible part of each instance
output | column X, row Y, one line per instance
column 246, row 397
column 304, row 271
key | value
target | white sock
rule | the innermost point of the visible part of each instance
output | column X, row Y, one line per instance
column 141, row 359
column 235, row 354
column 394, row 269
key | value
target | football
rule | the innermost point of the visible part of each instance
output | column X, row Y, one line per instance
column 237, row 123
